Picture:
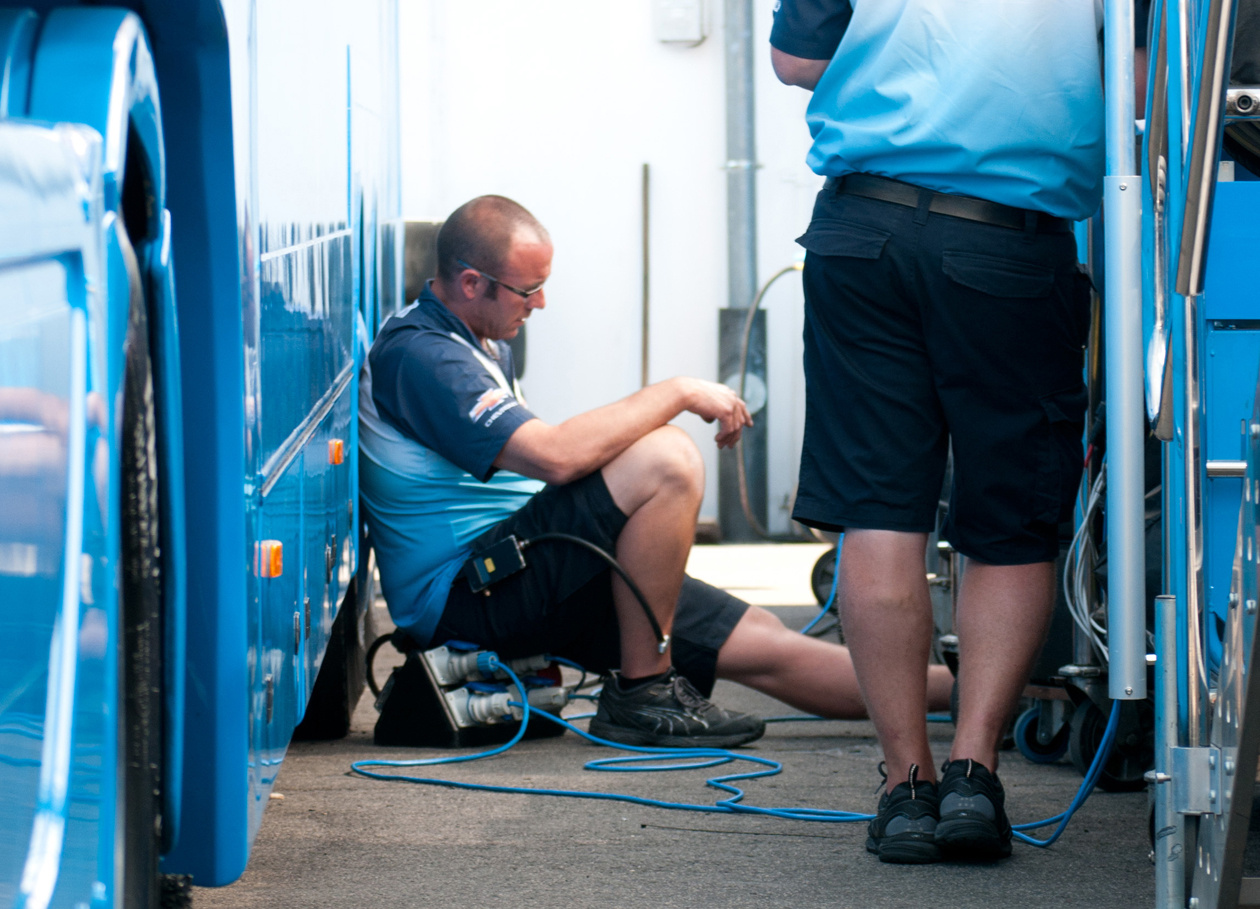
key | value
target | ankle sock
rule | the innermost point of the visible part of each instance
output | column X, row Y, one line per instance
column 625, row 683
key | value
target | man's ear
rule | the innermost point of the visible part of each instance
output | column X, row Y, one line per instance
column 468, row 284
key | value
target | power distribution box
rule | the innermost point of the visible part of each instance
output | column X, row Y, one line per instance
column 437, row 699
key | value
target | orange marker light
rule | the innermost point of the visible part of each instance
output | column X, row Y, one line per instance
column 336, row 451
column 268, row 558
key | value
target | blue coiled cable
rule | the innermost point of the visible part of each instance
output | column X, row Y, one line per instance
column 693, row 759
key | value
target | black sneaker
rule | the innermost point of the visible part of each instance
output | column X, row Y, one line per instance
column 669, row 713
column 973, row 825
column 903, row 830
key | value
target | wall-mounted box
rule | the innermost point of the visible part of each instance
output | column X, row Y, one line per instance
column 678, row 21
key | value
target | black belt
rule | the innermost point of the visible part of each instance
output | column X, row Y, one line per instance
column 972, row 209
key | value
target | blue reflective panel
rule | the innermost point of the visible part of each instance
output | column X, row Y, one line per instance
column 306, row 320
column 34, row 438
column 280, row 651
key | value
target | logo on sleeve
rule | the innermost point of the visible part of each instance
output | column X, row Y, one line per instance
column 489, row 400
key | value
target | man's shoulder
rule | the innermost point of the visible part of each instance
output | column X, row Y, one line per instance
column 421, row 334
column 425, row 314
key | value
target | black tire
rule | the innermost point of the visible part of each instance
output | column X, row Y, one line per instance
column 1133, row 752
column 142, row 724
column 341, row 678
column 1029, row 746
column 820, row 579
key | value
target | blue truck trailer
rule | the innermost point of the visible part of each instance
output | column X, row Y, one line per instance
column 200, row 228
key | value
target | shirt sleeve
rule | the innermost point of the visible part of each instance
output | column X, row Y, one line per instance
column 810, row 29
column 433, row 389
column 1141, row 22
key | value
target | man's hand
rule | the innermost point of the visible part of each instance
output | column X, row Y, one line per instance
column 713, row 401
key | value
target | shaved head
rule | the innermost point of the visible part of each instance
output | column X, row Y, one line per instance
column 480, row 233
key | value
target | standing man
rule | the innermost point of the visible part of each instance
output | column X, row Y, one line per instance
column 453, row 462
column 945, row 310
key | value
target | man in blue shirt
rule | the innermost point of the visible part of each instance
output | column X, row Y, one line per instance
column 945, row 311
column 453, row 462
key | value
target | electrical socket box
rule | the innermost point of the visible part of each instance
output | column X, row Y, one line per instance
column 678, row 21
column 428, row 702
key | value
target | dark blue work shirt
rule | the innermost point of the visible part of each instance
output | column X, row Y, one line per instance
column 435, row 410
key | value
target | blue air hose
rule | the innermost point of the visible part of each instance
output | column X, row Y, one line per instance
column 697, row 758
column 831, row 598
column 1087, row 786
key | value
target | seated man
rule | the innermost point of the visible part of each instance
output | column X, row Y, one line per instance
column 453, row 461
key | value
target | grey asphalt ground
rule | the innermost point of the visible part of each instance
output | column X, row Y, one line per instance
column 337, row 839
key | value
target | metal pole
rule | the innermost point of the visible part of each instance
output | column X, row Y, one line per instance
column 1170, row 826
column 1126, row 631
column 1200, row 182
column 741, row 230
column 1209, row 110
column 1193, row 489
column 645, row 348
column 741, row 156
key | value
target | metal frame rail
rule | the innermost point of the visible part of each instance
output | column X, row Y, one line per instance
column 1207, row 723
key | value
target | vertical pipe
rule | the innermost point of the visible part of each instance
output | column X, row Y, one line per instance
column 741, row 228
column 1192, row 464
column 645, row 349
column 1209, row 110
column 1170, row 831
column 1180, row 578
column 741, row 156
column 1125, row 397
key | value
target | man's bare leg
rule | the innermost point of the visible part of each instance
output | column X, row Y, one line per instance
column 811, row 675
column 887, row 616
column 658, row 482
column 1003, row 614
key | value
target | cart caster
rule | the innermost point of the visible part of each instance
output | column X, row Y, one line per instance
column 1133, row 752
column 1031, row 747
column 823, row 575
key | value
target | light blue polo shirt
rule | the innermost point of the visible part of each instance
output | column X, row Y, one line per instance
column 998, row 99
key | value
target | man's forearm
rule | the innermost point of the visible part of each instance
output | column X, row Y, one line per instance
column 585, row 443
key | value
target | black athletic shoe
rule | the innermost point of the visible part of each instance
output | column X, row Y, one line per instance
column 903, row 830
column 669, row 713
column 973, row 825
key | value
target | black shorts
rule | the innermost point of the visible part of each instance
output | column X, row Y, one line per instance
column 925, row 331
column 561, row 603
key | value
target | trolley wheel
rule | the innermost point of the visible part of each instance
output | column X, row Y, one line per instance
column 1028, row 744
column 1133, row 752
column 823, row 575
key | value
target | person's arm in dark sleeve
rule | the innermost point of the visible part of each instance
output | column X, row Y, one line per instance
column 804, row 37
column 433, row 390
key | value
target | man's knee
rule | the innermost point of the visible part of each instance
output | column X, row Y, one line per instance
column 758, row 644
column 663, row 460
column 678, row 460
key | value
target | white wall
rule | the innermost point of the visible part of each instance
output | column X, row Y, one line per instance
column 558, row 104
